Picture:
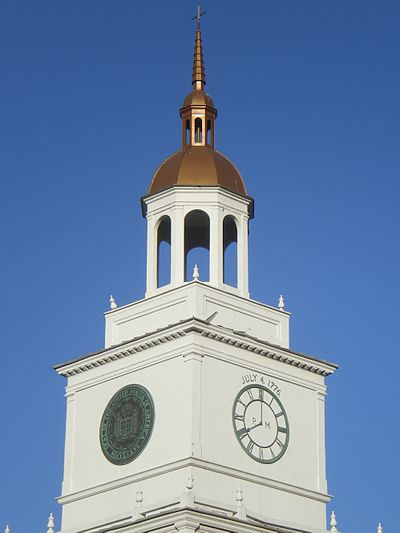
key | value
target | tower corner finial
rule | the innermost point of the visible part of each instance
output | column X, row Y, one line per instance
column 113, row 303
column 333, row 522
column 50, row 523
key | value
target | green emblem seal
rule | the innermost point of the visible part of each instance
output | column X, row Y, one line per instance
column 126, row 424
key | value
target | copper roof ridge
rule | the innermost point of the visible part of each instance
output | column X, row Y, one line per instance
column 161, row 164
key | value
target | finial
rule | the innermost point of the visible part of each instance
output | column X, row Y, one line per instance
column 379, row 528
column 189, row 483
column 333, row 522
column 281, row 303
column 138, row 510
column 241, row 511
column 50, row 524
column 196, row 273
column 187, row 497
column 113, row 303
column 7, row 530
column 198, row 76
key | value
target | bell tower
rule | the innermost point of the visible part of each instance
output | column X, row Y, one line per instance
column 197, row 415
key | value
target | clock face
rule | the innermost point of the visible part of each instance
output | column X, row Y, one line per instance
column 260, row 423
column 126, row 424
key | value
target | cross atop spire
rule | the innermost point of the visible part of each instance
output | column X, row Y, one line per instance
column 199, row 14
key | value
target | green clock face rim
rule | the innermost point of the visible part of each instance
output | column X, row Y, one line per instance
column 127, row 424
column 260, row 423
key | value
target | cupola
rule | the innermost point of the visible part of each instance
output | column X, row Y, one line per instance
column 197, row 200
column 197, row 162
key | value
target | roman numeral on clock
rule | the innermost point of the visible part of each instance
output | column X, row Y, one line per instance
column 242, row 433
column 250, row 446
column 272, row 452
column 279, row 443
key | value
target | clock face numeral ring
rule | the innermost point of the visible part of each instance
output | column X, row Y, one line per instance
column 126, row 424
column 260, row 423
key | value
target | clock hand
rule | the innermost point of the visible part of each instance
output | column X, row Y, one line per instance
column 255, row 426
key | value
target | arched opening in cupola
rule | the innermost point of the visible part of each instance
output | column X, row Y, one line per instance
column 187, row 131
column 198, row 130
column 208, row 132
column 164, row 251
column 197, row 244
column 230, row 251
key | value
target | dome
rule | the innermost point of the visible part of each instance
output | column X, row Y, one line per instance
column 198, row 97
column 197, row 165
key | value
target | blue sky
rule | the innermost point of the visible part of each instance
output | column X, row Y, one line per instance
column 308, row 99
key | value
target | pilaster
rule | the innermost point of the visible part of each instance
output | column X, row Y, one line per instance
column 322, row 484
column 67, row 484
column 243, row 256
column 151, row 264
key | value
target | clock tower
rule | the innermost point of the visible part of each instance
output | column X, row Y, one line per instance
column 197, row 415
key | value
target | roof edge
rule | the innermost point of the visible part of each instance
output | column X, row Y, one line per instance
column 196, row 325
column 144, row 198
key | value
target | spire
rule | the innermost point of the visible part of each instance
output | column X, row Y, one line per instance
column 198, row 76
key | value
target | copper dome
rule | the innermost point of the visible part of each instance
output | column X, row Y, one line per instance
column 198, row 97
column 197, row 165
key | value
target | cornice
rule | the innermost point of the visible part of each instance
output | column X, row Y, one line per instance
column 194, row 325
column 202, row 516
column 170, row 191
column 199, row 283
column 194, row 462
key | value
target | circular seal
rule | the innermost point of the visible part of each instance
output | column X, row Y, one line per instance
column 126, row 424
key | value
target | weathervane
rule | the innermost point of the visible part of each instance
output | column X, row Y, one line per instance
column 199, row 14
